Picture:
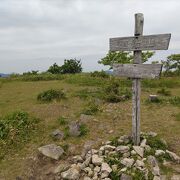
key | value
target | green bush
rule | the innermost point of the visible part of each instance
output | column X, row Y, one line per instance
column 15, row 129
column 83, row 130
column 175, row 100
column 62, row 120
column 50, row 95
column 114, row 93
column 91, row 108
column 164, row 91
column 100, row 74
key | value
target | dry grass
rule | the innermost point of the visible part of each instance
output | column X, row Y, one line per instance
column 18, row 95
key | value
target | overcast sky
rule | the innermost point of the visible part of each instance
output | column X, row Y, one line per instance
column 36, row 33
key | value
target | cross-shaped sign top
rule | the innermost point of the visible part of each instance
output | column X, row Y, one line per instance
column 136, row 71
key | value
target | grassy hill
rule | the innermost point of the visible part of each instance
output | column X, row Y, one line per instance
column 83, row 92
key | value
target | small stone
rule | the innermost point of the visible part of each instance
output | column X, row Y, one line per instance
column 124, row 139
column 108, row 142
column 60, row 168
column 86, row 178
column 152, row 161
column 114, row 167
column 173, row 156
column 122, row 149
column 143, row 143
column 57, row 134
column 91, row 166
column 152, row 134
column 153, row 98
column 94, row 151
column 159, row 153
column 175, row 177
column 156, row 178
column 111, row 131
column 105, row 168
column 96, row 160
column 123, row 169
column 52, row 151
column 77, row 159
column 127, row 162
column 109, row 147
column 87, row 161
column 139, row 150
column 147, row 148
column 71, row 174
column 126, row 155
column 125, row 177
column 97, row 169
column 104, row 175
column 156, row 171
column 133, row 152
column 74, row 129
column 139, row 163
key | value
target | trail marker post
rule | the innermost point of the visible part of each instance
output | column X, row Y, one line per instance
column 137, row 71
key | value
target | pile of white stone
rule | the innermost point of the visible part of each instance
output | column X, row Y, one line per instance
column 128, row 159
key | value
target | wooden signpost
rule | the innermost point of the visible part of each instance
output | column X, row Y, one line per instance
column 137, row 70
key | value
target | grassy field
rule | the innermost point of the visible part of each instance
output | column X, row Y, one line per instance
column 21, row 94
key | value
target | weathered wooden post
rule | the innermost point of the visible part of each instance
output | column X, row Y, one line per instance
column 136, row 88
column 137, row 71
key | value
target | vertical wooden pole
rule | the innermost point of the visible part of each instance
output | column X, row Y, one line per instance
column 136, row 89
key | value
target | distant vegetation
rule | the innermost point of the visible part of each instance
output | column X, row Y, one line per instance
column 50, row 95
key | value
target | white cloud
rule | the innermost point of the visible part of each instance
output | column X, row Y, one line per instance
column 36, row 31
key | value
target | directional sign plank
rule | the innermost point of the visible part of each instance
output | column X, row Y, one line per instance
column 151, row 42
column 137, row 70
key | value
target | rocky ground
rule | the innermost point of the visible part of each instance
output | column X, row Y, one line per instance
column 116, row 159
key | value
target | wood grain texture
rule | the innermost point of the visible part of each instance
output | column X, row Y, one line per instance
column 136, row 88
column 151, row 42
column 137, row 70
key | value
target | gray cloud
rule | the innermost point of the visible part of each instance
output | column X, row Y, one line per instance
column 36, row 33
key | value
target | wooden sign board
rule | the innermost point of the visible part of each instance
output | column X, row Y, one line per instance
column 134, row 43
column 137, row 70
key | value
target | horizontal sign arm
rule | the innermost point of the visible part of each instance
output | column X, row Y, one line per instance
column 134, row 43
column 137, row 70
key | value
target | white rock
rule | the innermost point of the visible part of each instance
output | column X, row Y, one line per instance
column 153, row 134
column 174, row 156
column 126, row 155
column 124, row 169
column 86, row 178
column 77, row 159
column 125, row 177
column 109, row 147
column 156, row 171
column 156, row 178
column 139, row 150
column 108, row 142
column 97, row 169
column 60, row 168
column 133, row 152
column 139, row 163
column 152, row 161
column 96, row 160
column 53, row 151
column 147, row 148
column 114, row 167
column 122, row 149
column 175, row 177
column 127, row 162
column 124, row 139
column 71, row 174
column 159, row 153
column 143, row 143
column 104, row 175
column 105, row 168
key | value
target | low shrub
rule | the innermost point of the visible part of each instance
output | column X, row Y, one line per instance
column 83, row 130
column 91, row 108
column 50, row 95
column 114, row 93
column 175, row 100
column 15, row 129
column 62, row 120
column 164, row 91
column 100, row 74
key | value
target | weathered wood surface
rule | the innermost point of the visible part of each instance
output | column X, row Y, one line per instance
column 137, row 70
column 136, row 88
column 151, row 42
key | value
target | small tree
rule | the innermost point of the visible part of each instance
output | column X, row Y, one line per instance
column 54, row 69
column 122, row 58
column 71, row 66
column 172, row 64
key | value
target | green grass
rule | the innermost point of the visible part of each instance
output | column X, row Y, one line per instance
column 20, row 94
